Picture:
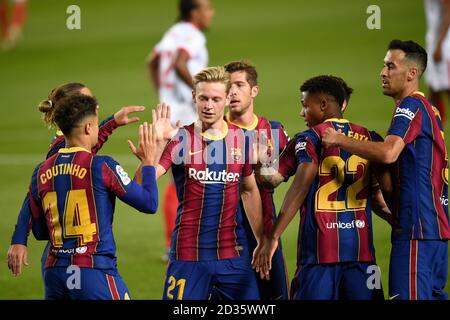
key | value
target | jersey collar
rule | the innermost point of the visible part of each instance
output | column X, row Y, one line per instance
column 337, row 120
column 73, row 149
column 252, row 126
column 208, row 135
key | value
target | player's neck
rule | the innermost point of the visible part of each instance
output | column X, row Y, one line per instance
column 73, row 142
column 244, row 120
column 216, row 126
column 409, row 90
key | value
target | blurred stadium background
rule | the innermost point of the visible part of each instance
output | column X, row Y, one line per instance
column 288, row 40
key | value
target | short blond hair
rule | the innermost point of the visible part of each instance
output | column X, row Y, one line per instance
column 213, row 74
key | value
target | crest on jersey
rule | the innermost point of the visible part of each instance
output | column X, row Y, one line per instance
column 236, row 154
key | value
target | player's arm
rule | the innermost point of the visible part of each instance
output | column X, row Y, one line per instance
column 380, row 208
column 382, row 191
column 119, row 119
column 251, row 200
column 443, row 29
column 18, row 252
column 293, row 200
column 153, row 69
column 180, row 64
column 386, row 152
column 280, row 170
column 406, row 125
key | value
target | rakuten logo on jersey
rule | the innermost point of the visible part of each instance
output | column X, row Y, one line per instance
column 404, row 112
column 208, row 176
column 346, row 225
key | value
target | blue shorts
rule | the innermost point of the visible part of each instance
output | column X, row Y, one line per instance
column 229, row 279
column 85, row 284
column 418, row 270
column 337, row 281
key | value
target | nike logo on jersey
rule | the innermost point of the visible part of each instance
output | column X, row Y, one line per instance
column 195, row 152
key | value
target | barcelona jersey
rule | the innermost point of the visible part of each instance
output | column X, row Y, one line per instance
column 277, row 138
column 21, row 231
column 421, row 172
column 208, row 171
column 335, row 222
column 73, row 192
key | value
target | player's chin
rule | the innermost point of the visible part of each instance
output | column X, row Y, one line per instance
column 386, row 92
column 209, row 119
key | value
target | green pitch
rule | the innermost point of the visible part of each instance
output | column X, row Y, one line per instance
column 289, row 41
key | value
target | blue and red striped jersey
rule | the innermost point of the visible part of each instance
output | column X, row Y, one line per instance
column 421, row 172
column 207, row 171
column 74, row 192
column 21, row 231
column 277, row 139
column 336, row 217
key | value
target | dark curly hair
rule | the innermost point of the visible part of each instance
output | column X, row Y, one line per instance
column 71, row 110
column 326, row 84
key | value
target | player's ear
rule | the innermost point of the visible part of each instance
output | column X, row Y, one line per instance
column 255, row 91
column 412, row 74
column 227, row 99
column 88, row 128
column 193, row 96
column 323, row 104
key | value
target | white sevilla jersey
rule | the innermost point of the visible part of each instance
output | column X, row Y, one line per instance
column 181, row 36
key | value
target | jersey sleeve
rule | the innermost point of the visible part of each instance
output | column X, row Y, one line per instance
column 105, row 129
column 39, row 226
column 281, row 136
column 407, row 120
column 306, row 147
column 288, row 163
column 22, row 228
column 143, row 198
column 172, row 151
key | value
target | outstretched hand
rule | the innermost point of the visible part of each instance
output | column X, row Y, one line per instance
column 146, row 149
column 161, row 122
column 122, row 117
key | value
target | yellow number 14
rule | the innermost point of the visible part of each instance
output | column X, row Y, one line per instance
column 76, row 218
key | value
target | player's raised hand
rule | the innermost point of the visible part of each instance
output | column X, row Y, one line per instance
column 146, row 149
column 17, row 255
column 261, row 149
column 122, row 117
column 161, row 121
column 330, row 137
